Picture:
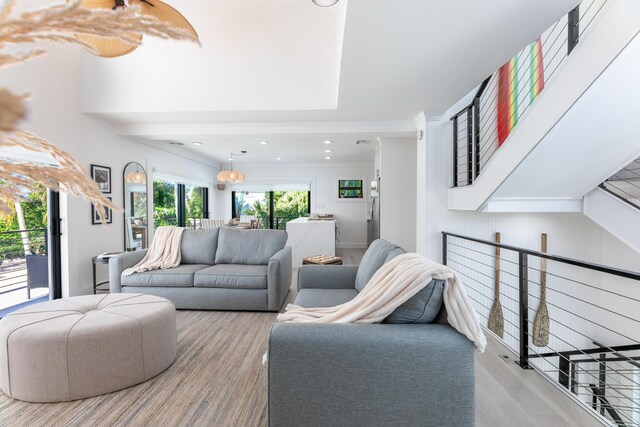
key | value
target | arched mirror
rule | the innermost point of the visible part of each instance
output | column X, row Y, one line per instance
column 135, row 207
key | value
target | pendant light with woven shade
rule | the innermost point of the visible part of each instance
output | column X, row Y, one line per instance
column 230, row 175
column 110, row 48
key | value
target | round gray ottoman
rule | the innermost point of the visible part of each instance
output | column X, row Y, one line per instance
column 85, row 346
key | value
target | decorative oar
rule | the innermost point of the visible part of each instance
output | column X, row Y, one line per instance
column 496, row 320
column 541, row 322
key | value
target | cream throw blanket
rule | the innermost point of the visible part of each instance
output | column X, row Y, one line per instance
column 163, row 253
column 392, row 285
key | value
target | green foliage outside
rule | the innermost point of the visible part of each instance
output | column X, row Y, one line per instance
column 287, row 205
column 35, row 217
column 193, row 202
column 164, row 203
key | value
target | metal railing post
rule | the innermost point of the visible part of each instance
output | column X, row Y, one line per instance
column 469, row 146
column 444, row 249
column 573, row 28
column 455, row 151
column 476, row 134
column 523, row 288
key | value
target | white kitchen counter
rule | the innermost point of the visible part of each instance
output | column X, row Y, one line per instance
column 311, row 237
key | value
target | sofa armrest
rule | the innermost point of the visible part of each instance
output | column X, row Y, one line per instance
column 327, row 276
column 119, row 263
column 278, row 278
column 370, row 375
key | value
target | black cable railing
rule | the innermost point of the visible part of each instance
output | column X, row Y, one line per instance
column 589, row 342
column 15, row 247
column 625, row 184
column 480, row 128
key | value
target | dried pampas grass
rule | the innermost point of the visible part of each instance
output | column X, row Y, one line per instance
column 58, row 24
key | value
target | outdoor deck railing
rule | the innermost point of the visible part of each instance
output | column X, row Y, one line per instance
column 14, row 247
column 589, row 342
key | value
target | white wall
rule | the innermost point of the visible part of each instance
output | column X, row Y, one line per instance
column 55, row 114
column 397, row 192
column 351, row 215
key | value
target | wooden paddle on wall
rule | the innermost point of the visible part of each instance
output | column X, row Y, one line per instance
column 496, row 319
column 541, row 322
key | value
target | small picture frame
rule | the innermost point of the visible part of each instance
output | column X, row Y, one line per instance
column 95, row 218
column 102, row 176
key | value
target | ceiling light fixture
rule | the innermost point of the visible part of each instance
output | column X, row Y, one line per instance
column 328, row 142
column 327, row 151
column 264, row 142
column 324, row 3
column 197, row 143
column 230, row 175
column 107, row 47
column 328, row 158
column 278, row 158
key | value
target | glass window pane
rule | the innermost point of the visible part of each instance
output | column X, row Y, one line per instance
column 289, row 205
column 193, row 206
column 164, row 203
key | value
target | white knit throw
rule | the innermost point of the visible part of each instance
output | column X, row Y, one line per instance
column 392, row 285
column 163, row 253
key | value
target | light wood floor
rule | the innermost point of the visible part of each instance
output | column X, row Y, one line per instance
column 218, row 380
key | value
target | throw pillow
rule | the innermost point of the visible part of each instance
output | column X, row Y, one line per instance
column 423, row 307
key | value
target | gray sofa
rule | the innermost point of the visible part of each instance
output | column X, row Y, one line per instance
column 366, row 375
column 221, row 269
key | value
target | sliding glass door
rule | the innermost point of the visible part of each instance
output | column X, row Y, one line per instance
column 183, row 205
column 273, row 209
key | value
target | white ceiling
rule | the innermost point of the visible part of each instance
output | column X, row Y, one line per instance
column 288, row 61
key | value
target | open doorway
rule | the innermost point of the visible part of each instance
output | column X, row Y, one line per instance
column 29, row 256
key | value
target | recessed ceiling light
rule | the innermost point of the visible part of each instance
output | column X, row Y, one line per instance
column 328, row 142
column 177, row 143
column 278, row 158
column 230, row 158
column 197, row 143
column 327, row 151
column 328, row 158
column 264, row 142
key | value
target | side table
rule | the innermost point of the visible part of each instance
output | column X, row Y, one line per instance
column 96, row 261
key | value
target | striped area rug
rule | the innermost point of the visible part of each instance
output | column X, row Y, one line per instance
column 217, row 380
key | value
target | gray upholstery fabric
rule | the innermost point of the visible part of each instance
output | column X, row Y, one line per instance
column 199, row 246
column 180, row 276
column 394, row 253
column 208, row 298
column 369, row 375
column 119, row 263
column 253, row 247
column 279, row 278
column 327, row 277
column 324, row 297
column 233, row 276
column 373, row 259
column 423, row 307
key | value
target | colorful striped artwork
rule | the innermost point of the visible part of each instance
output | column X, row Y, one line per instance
column 537, row 69
column 507, row 99
column 518, row 87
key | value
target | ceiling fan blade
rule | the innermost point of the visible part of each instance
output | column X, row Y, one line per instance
column 165, row 13
column 105, row 47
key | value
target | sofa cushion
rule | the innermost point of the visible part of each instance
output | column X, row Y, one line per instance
column 234, row 276
column 254, row 247
column 181, row 276
column 324, row 297
column 373, row 259
column 394, row 253
column 199, row 246
column 423, row 307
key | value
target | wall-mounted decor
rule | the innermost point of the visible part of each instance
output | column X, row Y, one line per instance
column 350, row 189
column 102, row 176
column 135, row 207
column 95, row 218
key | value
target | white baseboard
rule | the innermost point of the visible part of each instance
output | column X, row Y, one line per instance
column 351, row 246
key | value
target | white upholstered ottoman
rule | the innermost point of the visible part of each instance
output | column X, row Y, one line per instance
column 85, row 346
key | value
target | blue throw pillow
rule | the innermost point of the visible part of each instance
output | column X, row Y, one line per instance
column 423, row 307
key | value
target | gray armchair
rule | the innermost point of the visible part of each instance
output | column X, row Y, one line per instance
column 366, row 375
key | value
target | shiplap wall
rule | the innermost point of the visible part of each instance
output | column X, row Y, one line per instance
column 397, row 192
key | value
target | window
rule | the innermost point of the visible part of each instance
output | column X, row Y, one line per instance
column 273, row 209
column 350, row 189
column 183, row 205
